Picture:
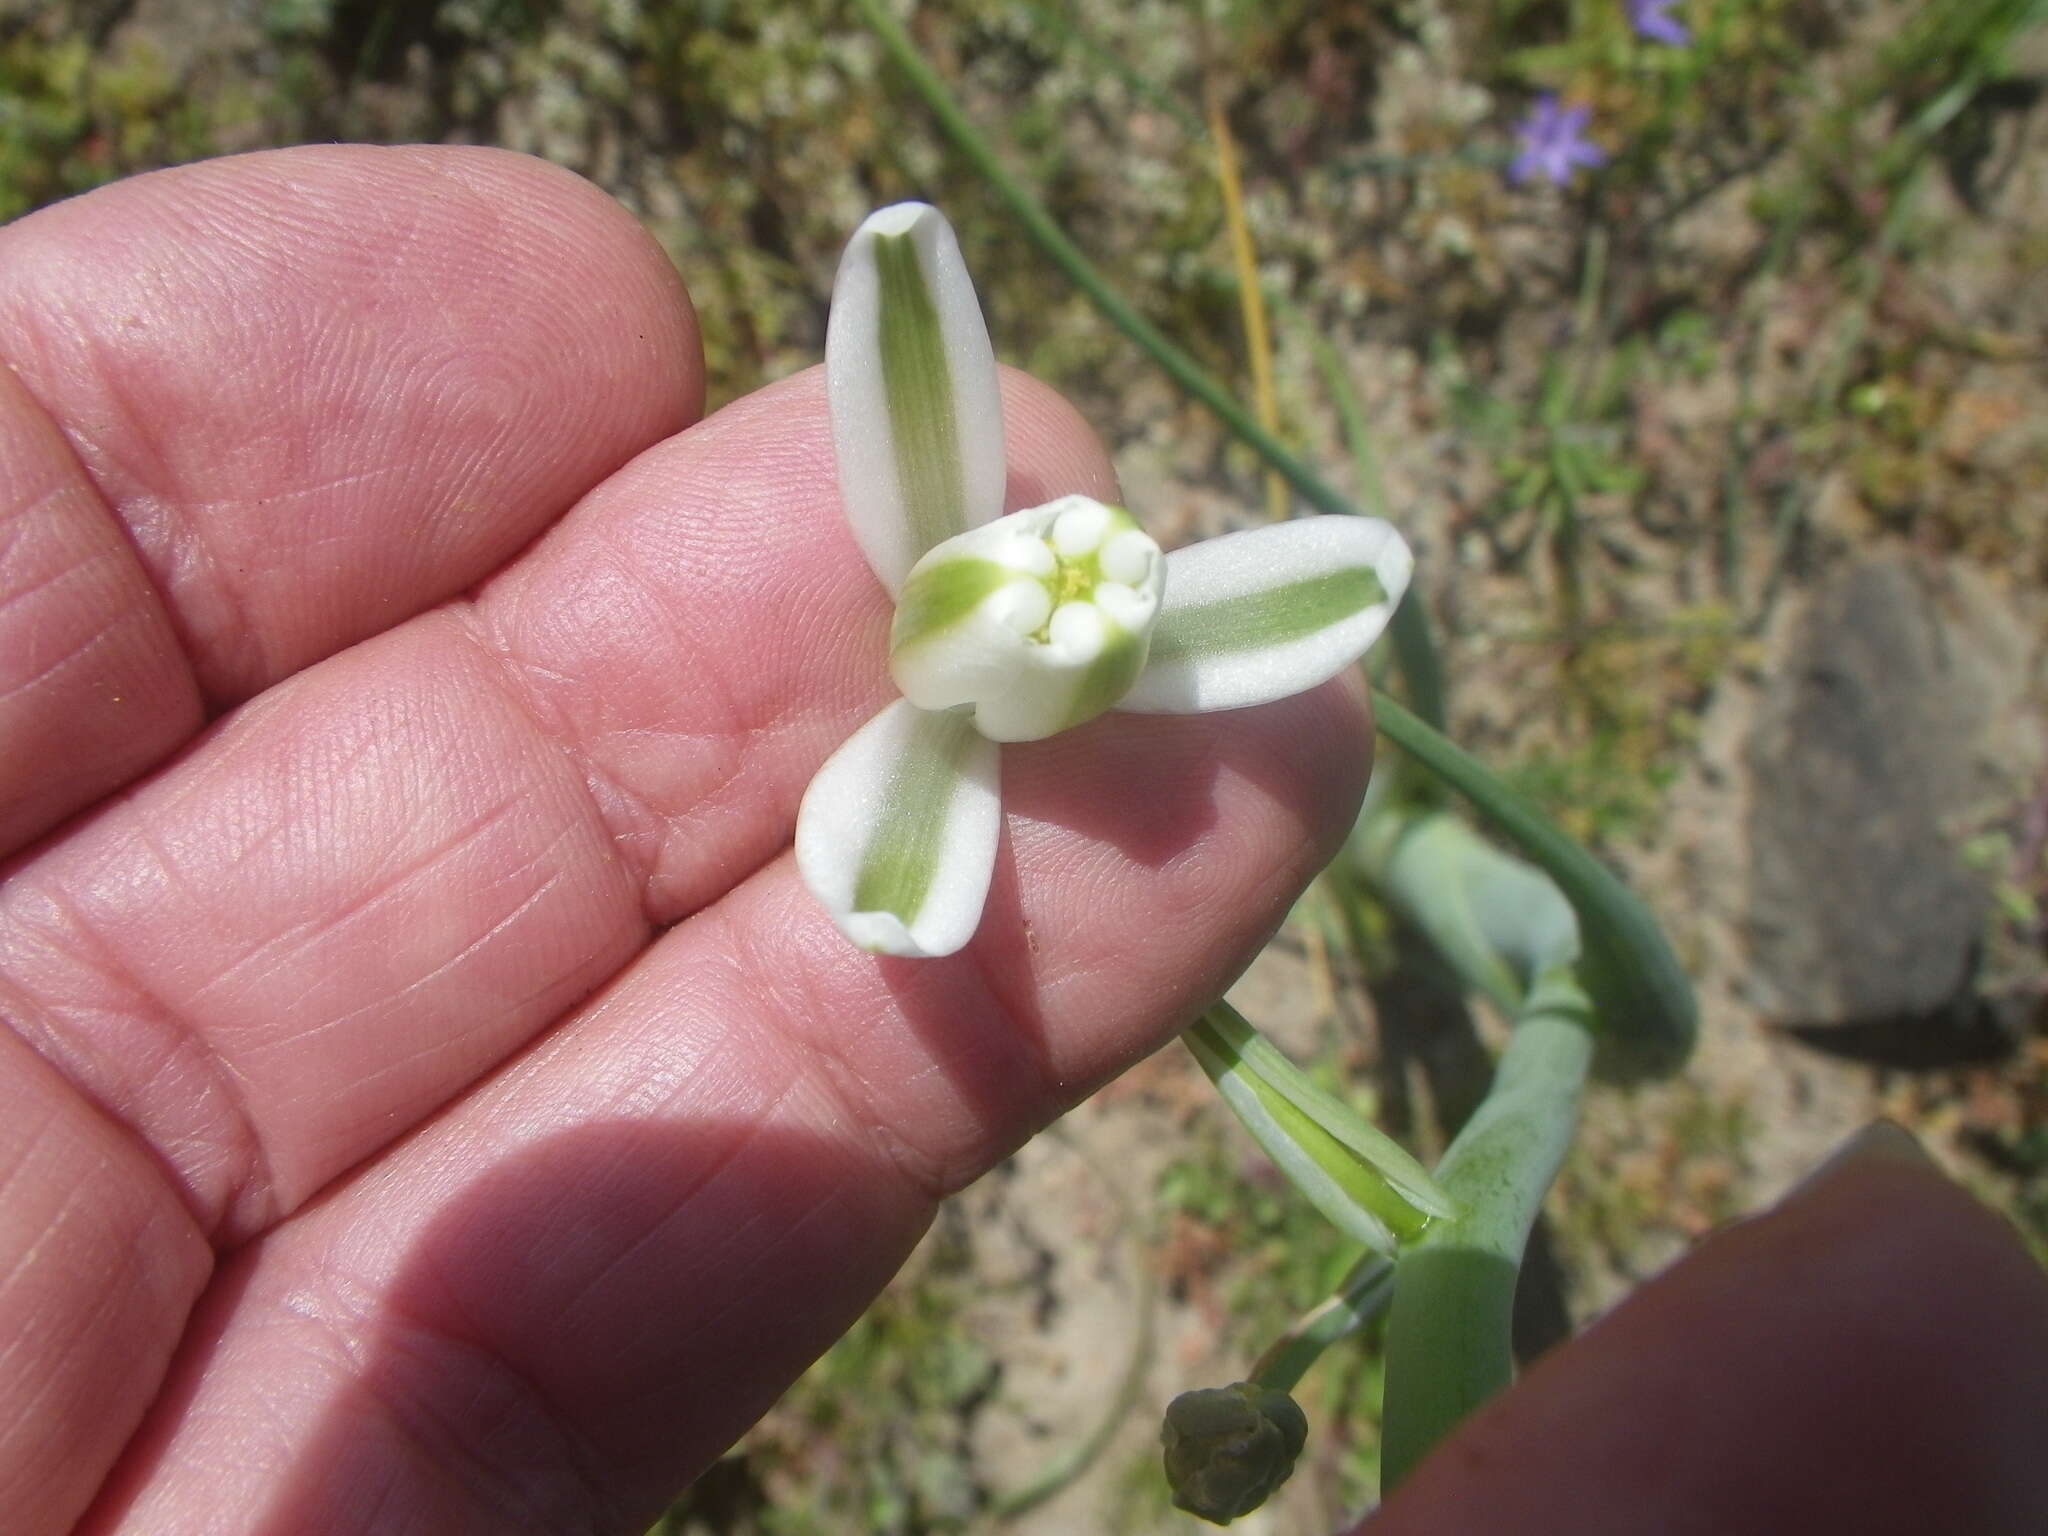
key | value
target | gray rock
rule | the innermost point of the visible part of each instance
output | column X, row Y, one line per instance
column 1876, row 738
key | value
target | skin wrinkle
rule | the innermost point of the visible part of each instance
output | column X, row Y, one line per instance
column 18, row 1161
column 741, row 745
column 253, row 1187
column 134, row 636
column 47, row 669
column 167, row 1155
column 246, row 1161
column 288, row 494
column 390, row 1000
column 834, row 1058
column 136, row 1265
column 443, row 1044
column 732, row 1152
column 106, row 1290
column 164, row 540
column 607, row 792
column 21, row 523
column 364, row 902
column 759, row 983
column 18, row 524
column 812, row 1055
column 525, row 905
column 489, row 642
column 505, row 1498
column 789, row 1235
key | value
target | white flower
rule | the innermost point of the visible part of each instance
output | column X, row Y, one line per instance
column 1015, row 628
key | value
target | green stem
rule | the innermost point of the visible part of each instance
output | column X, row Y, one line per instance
column 1361, row 1297
column 1449, row 1345
column 1645, row 1003
column 1413, row 647
column 1365, row 458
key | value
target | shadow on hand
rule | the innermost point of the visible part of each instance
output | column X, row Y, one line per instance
column 568, row 1337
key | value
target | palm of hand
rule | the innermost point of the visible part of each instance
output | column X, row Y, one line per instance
column 431, row 1102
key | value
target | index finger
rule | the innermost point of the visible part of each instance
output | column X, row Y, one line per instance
column 273, row 404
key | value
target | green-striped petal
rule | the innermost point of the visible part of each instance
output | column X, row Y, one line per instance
column 917, row 422
column 1269, row 612
column 896, row 837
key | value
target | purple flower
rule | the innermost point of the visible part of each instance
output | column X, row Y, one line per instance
column 1653, row 26
column 1553, row 143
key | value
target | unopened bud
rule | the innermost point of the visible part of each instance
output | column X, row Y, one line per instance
column 1228, row 1449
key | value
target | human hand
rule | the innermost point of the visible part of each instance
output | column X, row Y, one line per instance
column 431, row 1103
column 1869, row 1358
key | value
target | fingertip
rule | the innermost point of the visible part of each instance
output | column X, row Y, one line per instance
column 1050, row 448
column 643, row 290
column 324, row 388
column 1866, row 1357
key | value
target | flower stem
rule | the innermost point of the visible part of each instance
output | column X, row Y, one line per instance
column 1449, row 1332
column 1359, row 1298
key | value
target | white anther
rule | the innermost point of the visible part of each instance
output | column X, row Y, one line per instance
column 1130, row 610
column 1028, row 553
column 1079, row 529
column 1128, row 557
column 1077, row 633
column 1021, row 607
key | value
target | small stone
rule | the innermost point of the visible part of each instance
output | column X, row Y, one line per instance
column 1866, row 760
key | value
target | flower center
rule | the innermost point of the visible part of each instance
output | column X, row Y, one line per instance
column 1038, row 621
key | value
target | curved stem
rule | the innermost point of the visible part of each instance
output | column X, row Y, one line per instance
column 1449, row 1333
column 1646, row 1006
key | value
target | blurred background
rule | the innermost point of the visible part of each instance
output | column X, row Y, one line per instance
column 1724, row 447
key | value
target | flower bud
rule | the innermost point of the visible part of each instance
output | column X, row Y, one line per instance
column 1228, row 1449
column 1039, row 620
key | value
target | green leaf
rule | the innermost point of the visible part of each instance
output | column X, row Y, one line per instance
column 1354, row 1173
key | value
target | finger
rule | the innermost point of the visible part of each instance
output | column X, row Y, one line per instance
column 93, row 687
column 321, row 389
column 103, row 1266
column 1866, row 1359
column 571, row 1291
column 387, row 874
